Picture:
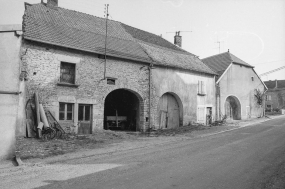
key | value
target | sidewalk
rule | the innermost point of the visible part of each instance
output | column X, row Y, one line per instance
column 141, row 143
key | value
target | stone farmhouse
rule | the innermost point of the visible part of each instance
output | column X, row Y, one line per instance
column 237, row 85
column 144, row 82
column 275, row 95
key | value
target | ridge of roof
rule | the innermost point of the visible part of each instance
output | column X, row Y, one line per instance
column 213, row 56
column 220, row 62
column 150, row 38
column 271, row 84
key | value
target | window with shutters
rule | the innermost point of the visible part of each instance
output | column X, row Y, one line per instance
column 201, row 88
column 268, row 97
column 67, row 73
column 65, row 111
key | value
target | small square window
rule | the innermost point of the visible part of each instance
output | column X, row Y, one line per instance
column 67, row 73
column 65, row 111
column 111, row 81
column 252, row 78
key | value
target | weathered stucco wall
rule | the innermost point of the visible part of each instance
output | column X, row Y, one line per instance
column 9, row 77
column 42, row 63
column 185, row 87
column 237, row 81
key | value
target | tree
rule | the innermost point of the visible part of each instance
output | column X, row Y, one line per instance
column 259, row 99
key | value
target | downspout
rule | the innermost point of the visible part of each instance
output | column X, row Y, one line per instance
column 264, row 101
column 149, row 95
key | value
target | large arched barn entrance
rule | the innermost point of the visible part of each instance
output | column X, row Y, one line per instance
column 169, row 111
column 122, row 110
column 233, row 108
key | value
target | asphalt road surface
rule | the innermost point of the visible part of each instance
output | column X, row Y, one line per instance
column 250, row 157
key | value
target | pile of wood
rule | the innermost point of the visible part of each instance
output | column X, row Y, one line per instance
column 39, row 123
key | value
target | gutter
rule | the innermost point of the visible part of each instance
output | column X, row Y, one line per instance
column 10, row 92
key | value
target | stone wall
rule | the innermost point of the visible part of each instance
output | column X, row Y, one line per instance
column 42, row 63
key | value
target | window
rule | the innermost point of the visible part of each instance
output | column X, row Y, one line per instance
column 84, row 112
column 111, row 81
column 268, row 106
column 268, row 97
column 252, row 78
column 201, row 87
column 65, row 111
column 67, row 73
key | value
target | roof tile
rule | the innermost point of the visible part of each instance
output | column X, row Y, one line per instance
column 71, row 29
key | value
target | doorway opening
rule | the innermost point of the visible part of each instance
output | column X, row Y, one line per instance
column 169, row 111
column 121, row 111
column 233, row 108
column 84, row 119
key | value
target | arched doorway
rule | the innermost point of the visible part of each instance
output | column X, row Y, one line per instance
column 232, row 108
column 169, row 111
column 122, row 110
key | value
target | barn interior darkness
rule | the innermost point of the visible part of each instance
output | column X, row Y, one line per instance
column 121, row 111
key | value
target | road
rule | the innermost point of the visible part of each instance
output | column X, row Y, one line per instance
column 249, row 157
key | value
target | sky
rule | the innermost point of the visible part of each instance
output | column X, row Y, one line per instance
column 253, row 30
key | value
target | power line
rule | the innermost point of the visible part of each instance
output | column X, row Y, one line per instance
column 270, row 62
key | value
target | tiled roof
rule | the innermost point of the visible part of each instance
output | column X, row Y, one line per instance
column 75, row 30
column 150, row 38
column 220, row 62
column 165, row 57
column 272, row 84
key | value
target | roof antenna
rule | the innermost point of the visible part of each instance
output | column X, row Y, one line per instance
column 106, row 16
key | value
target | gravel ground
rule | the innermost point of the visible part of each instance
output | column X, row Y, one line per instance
column 37, row 148
column 30, row 148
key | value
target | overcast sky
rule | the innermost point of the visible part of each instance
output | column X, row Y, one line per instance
column 253, row 30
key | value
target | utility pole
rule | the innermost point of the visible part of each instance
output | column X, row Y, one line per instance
column 106, row 16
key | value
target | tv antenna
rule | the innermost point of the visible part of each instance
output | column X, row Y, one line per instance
column 106, row 16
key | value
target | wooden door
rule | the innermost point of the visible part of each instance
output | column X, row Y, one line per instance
column 173, row 112
column 84, row 119
column 168, row 112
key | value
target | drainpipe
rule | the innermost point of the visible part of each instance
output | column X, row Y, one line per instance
column 149, row 101
column 264, row 102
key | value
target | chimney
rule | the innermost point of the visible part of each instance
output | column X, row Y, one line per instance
column 178, row 39
column 52, row 3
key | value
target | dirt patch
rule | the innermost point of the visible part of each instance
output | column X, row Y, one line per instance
column 38, row 148
column 177, row 131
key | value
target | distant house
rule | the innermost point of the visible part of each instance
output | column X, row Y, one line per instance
column 236, row 86
column 275, row 95
column 145, row 81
